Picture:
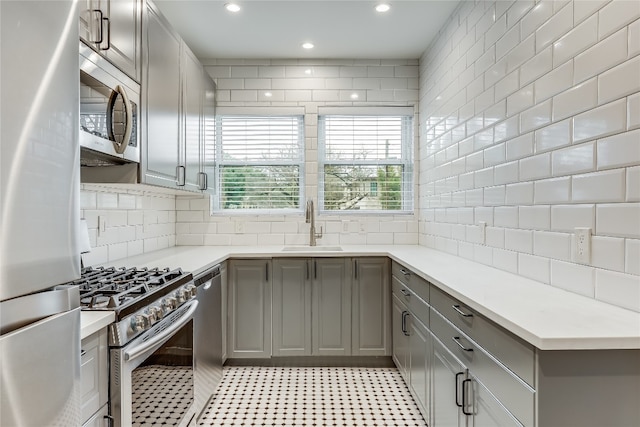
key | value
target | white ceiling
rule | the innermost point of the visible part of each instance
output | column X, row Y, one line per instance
column 277, row 29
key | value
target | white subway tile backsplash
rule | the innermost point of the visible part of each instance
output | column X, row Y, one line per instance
column 632, row 256
column 534, row 267
column 618, row 288
column 536, row 116
column 610, row 51
column 633, row 112
column 552, row 245
column 575, row 278
column 567, row 217
column 520, row 100
column 505, row 260
column 506, row 173
column 602, row 121
column 552, row 191
column 615, row 15
column 506, row 129
column 536, row 67
column 633, row 184
column 618, row 219
column 519, row 147
column 518, row 240
column 634, row 38
column 494, row 196
column 575, row 100
column 575, row 41
column 558, row 25
column 576, row 159
column 620, row 81
column 506, row 216
column 535, row 167
column 494, row 237
column 507, row 85
column 107, row 200
column 607, row 252
column 534, row 217
column 519, row 194
column 585, row 8
column 554, row 136
column 608, row 186
column 619, row 150
column 554, row 82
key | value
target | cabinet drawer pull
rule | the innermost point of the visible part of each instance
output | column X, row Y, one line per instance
column 456, row 307
column 83, row 352
column 405, row 272
column 465, row 404
column 405, row 292
column 457, row 341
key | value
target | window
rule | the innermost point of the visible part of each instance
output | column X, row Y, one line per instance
column 259, row 162
column 365, row 160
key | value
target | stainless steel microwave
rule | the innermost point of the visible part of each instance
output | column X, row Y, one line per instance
column 109, row 112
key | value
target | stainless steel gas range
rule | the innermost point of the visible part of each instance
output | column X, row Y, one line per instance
column 151, row 351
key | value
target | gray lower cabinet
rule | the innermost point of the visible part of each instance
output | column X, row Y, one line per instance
column 371, row 307
column 249, row 308
column 94, row 379
column 448, row 374
column 292, row 307
column 420, row 361
column 400, row 335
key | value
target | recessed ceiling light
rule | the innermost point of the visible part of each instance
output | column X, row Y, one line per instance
column 307, row 45
column 308, row 71
column 268, row 94
column 383, row 7
column 354, row 96
column 232, row 7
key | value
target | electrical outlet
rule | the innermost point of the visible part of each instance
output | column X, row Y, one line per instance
column 363, row 227
column 102, row 224
column 483, row 231
column 239, row 227
column 345, row 226
column 582, row 247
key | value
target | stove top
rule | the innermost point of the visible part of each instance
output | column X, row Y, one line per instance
column 125, row 290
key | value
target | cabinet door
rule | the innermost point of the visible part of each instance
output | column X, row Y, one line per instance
column 208, row 134
column 331, row 308
column 291, row 307
column 448, row 374
column 192, row 117
column 162, row 94
column 420, row 363
column 371, row 333
column 400, row 338
column 113, row 29
column 250, row 309
column 487, row 410
column 94, row 373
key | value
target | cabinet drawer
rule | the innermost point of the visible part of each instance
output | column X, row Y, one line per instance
column 512, row 351
column 93, row 373
column 416, row 305
column 511, row 391
column 407, row 277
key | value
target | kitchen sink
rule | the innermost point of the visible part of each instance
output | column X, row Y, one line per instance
column 312, row 248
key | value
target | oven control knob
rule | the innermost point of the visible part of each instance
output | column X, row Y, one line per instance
column 169, row 304
column 181, row 295
column 191, row 290
column 156, row 311
column 138, row 323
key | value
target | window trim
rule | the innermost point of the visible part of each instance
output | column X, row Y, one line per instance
column 406, row 159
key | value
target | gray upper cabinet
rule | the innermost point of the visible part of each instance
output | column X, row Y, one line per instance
column 180, row 109
column 161, row 98
column 113, row 29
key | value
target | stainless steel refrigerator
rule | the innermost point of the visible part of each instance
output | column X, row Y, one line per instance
column 39, row 213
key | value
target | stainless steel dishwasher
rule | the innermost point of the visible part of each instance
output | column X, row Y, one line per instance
column 207, row 343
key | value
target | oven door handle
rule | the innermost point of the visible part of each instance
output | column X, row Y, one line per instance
column 139, row 350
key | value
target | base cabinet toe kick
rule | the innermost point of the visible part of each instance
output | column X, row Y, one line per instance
column 464, row 370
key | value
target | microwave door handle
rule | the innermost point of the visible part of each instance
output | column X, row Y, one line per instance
column 163, row 336
column 121, row 147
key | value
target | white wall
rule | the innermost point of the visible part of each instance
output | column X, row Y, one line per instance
column 138, row 219
column 530, row 122
column 308, row 84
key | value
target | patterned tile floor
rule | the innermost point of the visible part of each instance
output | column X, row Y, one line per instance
column 312, row 396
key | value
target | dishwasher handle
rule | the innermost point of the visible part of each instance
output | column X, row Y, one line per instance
column 207, row 276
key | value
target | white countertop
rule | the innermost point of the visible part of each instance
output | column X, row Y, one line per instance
column 549, row 318
column 93, row 321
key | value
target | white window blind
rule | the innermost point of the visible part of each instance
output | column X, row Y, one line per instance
column 259, row 162
column 365, row 162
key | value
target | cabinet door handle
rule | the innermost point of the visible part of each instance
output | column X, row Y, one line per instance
column 92, row 26
column 202, row 181
column 405, row 292
column 458, row 404
column 465, row 404
column 109, row 419
column 405, row 272
column 456, row 307
column 355, row 269
column 180, row 173
column 405, row 314
column 108, row 34
column 457, row 341
column 266, row 272
column 306, row 269
column 315, row 269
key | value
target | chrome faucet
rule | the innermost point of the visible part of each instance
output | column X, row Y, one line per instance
column 310, row 219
